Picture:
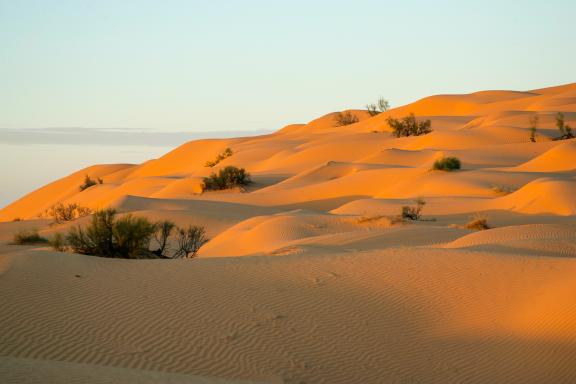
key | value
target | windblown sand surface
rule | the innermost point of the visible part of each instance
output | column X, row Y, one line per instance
column 308, row 277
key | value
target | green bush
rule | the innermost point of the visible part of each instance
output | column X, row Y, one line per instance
column 345, row 118
column 28, row 237
column 130, row 237
column 58, row 242
column 228, row 177
column 446, row 164
column 409, row 126
column 227, row 153
column 89, row 182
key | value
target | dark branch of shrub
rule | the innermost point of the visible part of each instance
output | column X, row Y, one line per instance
column 533, row 127
column 228, row 177
column 375, row 109
column 409, row 126
column 227, row 153
column 413, row 212
column 565, row 129
column 345, row 118
column 447, row 164
column 162, row 232
column 29, row 237
column 189, row 241
column 89, row 182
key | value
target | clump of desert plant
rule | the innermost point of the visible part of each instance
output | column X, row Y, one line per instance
column 478, row 223
column 382, row 106
column 227, row 153
column 89, row 182
column 67, row 212
column 345, row 118
column 130, row 237
column 565, row 129
column 533, row 127
column 162, row 232
column 409, row 126
column 189, row 241
column 28, row 237
column 413, row 212
column 446, row 164
column 503, row 189
column 226, row 178
column 58, row 242
column 17, row 219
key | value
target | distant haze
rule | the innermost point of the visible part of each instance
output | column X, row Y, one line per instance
column 31, row 158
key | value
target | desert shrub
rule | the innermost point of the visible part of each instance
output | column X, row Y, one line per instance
column 503, row 189
column 478, row 223
column 28, row 237
column 382, row 106
column 17, row 219
column 162, row 232
column 89, row 182
column 345, row 118
column 446, row 164
column 413, row 212
column 409, row 126
column 189, row 241
column 228, row 177
column 565, row 129
column 129, row 237
column 227, row 153
column 67, row 212
column 533, row 127
column 58, row 242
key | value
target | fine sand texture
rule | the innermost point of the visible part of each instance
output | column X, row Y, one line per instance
column 309, row 275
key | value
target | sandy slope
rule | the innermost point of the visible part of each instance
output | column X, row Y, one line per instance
column 308, row 276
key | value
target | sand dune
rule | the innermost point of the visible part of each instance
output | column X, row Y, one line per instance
column 309, row 276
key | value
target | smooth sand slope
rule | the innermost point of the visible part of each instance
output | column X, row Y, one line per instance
column 309, row 277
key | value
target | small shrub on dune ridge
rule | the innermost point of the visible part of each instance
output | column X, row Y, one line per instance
column 89, row 182
column 224, row 155
column 28, row 237
column 382, row 106
column 446, row 164
column 409, row 126
column 226, row 178
column 345, row 118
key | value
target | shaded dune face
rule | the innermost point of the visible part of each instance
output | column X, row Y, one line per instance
column 309, row 275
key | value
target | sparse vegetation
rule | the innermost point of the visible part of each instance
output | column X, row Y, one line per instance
column 345, row 118
column 89, row 182
column 227, row 153
column 189, row 241
column 503, row 189
column 382, row 106
column 533, row 127
column 28, row 237
column 67, row 212
column 17, row 219
column 58, row 242
column 478, row 223
column 565, row 129
column 226, row 178
column 130, row 237
column 409, row 126
column 413, row 212
column 446, row 164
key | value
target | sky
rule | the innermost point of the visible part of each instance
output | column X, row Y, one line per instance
column 186, row 65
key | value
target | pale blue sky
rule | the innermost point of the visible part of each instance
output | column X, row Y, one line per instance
column 242, row 65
